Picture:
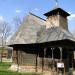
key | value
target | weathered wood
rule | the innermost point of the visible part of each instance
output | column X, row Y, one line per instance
column 14, row 56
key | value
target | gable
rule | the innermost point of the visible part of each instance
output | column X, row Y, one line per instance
column 27, row 32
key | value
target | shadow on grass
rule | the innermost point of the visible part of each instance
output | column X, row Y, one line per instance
column 5, row 72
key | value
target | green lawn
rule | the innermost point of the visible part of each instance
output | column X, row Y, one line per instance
column 4, row 70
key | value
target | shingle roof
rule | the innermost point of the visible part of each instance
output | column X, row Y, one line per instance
column 33, row 30
column 56, row 11
column 54, row 34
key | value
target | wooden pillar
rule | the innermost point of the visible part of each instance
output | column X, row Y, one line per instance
column 52, row 61
column 61, row 58
column 36, row 62
column 17, row 61
column 52, row 57
column 44, row 58
column 42, row 64
column 60, row 53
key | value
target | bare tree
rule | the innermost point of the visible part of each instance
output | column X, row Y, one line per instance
column 4, row 33
column 17, row 22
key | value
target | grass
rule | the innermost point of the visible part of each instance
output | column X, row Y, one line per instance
column 14, row 73
column 4, row 70
column 4, row 65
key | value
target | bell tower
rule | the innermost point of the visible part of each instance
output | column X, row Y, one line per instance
column 57, row 18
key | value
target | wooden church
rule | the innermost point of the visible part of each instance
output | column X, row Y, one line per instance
column 42, row 45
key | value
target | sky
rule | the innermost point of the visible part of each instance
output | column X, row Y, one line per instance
column 12, row 8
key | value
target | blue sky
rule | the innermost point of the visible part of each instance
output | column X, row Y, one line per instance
column 11, row 8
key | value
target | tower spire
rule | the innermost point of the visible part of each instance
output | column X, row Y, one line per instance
column 57, row 17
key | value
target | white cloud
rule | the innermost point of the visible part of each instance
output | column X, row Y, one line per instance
column 36, row 9
column 69, row 12
column 71, row 17
column 1, row 18
column 18, row 11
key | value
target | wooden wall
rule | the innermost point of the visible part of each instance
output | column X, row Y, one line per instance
column 39, row 61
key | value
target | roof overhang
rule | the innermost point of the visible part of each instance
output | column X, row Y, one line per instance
column 59, row 43
column 55, row 11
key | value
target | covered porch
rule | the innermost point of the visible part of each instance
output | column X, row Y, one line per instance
column 43, row 57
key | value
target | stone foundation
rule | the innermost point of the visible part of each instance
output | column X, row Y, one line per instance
column 22, row 68
column 31, row 69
